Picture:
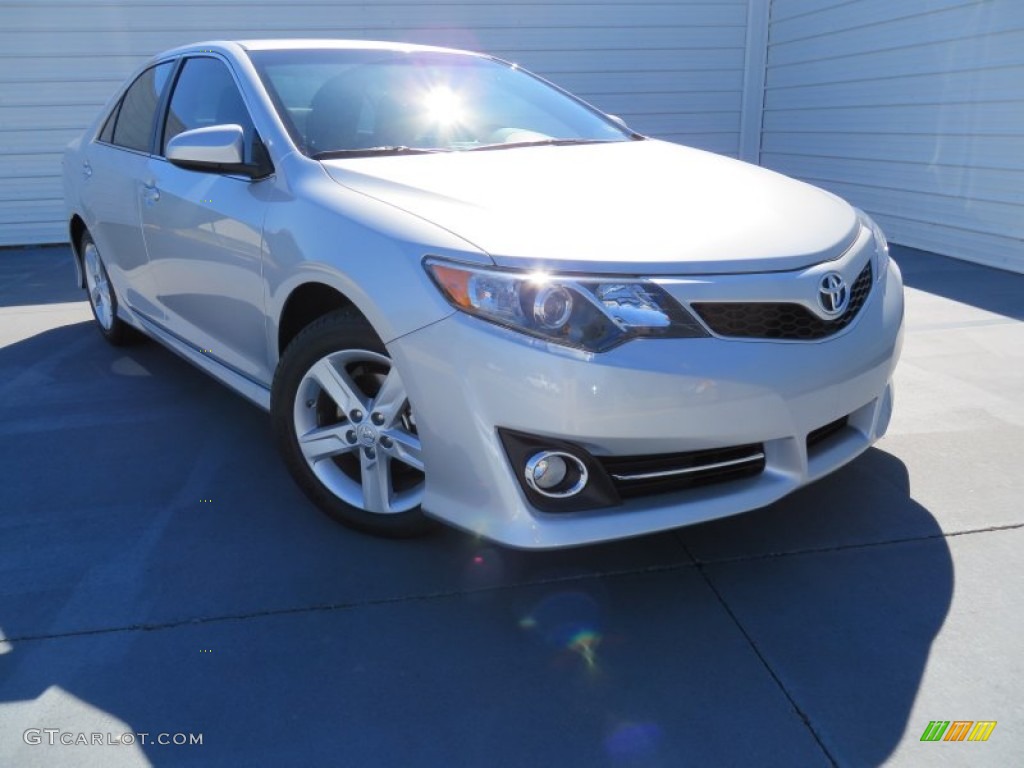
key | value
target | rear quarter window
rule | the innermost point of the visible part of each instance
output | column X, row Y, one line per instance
column 135, row 114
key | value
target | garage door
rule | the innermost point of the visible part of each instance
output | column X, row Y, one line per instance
column 670, row 69
column 913, row 110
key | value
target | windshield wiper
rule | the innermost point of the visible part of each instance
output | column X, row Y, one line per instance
column 540, row 143
column 334, row 154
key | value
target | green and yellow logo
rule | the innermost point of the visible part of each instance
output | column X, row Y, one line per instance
column 958, row 730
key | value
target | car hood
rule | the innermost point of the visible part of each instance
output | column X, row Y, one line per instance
column 638, row 207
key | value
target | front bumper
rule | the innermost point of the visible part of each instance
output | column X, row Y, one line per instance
column 466, row 378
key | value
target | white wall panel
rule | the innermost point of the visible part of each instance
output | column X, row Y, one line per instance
column 913, row 110
column 671, row 69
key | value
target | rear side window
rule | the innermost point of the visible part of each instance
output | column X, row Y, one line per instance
column 204, row 95
column 136, row 113
column 107, row 134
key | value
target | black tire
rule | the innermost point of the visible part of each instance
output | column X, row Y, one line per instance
column 299, row 403
column 102, row 297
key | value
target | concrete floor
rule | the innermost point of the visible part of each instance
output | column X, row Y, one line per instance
column 159, row 573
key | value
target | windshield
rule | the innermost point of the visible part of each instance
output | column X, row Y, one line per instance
column 340, row 102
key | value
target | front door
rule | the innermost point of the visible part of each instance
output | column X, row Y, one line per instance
column 203, row 230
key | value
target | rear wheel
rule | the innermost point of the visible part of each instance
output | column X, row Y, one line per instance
column 102, row 298
column 344, row 425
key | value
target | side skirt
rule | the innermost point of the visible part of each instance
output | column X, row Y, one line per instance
column 229, row 377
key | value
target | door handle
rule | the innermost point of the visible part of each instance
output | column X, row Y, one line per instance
column 86, row 169
column 150, row 194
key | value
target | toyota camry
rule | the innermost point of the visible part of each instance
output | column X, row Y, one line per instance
column 464, row 294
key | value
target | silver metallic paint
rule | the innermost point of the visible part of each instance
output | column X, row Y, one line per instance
column 704, row 227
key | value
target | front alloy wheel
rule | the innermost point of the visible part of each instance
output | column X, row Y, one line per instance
column 346, row 429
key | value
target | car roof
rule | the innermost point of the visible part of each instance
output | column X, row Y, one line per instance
column 286, row 44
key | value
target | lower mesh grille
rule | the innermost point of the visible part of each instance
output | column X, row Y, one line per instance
column 647, row 475
column 775, row 320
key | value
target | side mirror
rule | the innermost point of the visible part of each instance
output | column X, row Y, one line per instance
column 215, row 149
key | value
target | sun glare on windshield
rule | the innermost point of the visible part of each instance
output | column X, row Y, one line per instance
column 443, row 106
column 355, row 103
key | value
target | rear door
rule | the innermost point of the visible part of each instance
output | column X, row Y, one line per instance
column 203, row 230
column 112, row 169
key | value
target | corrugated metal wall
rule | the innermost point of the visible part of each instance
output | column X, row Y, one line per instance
column 913, row 110
column 671, row 69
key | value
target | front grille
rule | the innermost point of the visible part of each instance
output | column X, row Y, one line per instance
column 647, row 475
column 821, row 434
column 777, row 320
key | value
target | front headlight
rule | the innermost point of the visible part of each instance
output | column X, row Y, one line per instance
column 591, row 313
column 881, row 244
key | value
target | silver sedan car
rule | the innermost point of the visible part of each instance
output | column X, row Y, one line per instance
column 464, row 294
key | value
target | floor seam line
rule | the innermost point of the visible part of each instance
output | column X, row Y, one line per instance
column 862, row 545
column 343, row 606
column 764, row 662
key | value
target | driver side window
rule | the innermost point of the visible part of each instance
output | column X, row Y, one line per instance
column 206, row 94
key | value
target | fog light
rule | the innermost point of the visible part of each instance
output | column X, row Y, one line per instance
column 549, row 472
column 556, row 474
column 571, row 480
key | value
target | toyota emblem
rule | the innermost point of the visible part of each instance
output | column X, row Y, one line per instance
column 833, row 295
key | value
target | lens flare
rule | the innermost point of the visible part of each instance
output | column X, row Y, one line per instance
column 568, row 621
column 443, row 105
column 585, row 643
column 634, row 744
column 481, row 571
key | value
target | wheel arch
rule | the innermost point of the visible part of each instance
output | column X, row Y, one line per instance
column 305, row 303
column 77, row 228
